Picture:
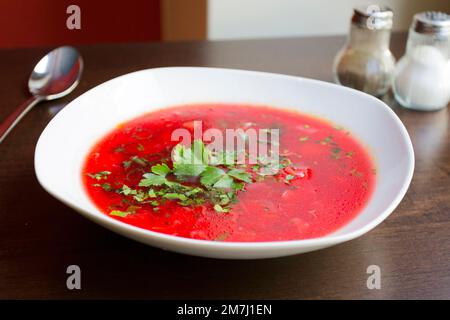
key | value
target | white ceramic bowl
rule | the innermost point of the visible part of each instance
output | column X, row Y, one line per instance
column 66, row 140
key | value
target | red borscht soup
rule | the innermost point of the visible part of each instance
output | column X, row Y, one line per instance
column 322, row 178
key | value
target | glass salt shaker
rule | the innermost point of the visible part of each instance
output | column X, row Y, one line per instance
column 422, row 75
column 366, row 63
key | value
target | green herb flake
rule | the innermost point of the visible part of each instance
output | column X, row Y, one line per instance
column 355, row 173
column 336, row 153
column 119, row 213
column 126, row 190
column 224, row 199
column 140, row 161
column 99, row 175
column 336, row 150
column 135, row 159
column 151, row 193
column 256, row 167
column 151, row 179
column 106, row 187
column 123, row 214
column 289, row 178
column 140, row 196
column 175, row 196
column 192, row 170
column 154, row 203
column 304, row 139
column 211, row 175
column 240, row 175
column 237, row 186
column 126, row 164
column 225, row 182
column 220, row 209
column 222, row 237
column 161, row 169
column 327, row 140
column 194, row 191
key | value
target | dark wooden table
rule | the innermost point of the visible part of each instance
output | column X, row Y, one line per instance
column 40, row 237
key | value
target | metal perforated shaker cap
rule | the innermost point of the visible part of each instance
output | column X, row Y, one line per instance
column 432, row 22
column 373, row 17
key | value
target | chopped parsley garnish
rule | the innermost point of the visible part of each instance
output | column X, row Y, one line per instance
column 161, row 169
column 104, row 186
column 240, row 175
column 327, row 140
column 119, row 213
column 220, row 209
column 304, row 139
column 151, row 179
column 211, row 175
column 194, row 177
column 123, row 214
column 135, row 159
column 222, row 236
column 336, row 152
column 119, row 150
column 99, row 175
column 355, row 173
column 215, row 185
column 288, row 178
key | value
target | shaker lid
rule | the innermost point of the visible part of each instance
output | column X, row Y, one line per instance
column 432, row 22
column 373, row 17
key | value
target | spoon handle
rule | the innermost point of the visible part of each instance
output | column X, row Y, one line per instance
column 10, row 122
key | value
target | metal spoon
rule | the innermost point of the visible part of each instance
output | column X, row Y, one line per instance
column 53, row 77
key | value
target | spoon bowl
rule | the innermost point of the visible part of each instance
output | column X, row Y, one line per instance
column 53, row 77
column 56, row 74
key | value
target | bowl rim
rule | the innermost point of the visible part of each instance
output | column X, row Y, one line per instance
column 323, row 241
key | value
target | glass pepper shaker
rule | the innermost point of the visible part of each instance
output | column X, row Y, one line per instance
column 366, row 63
column 422, row 75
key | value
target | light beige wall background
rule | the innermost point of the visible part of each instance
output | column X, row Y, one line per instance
column 244, row 19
